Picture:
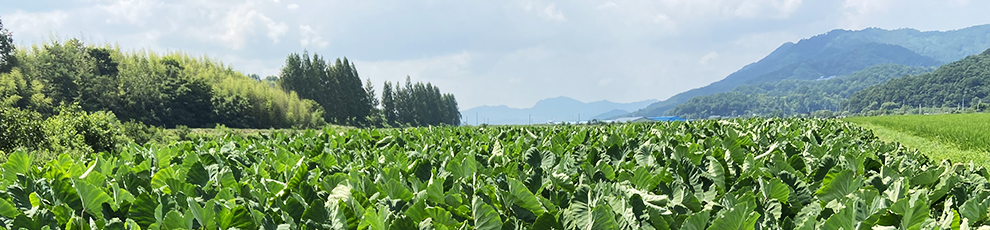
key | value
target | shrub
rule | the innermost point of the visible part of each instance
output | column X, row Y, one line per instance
column 20, row 129
column 74, row 129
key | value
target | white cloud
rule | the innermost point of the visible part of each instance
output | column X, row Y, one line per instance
column 40, row 24
column 239, row 23
column 608, row 5
column 552, row 13
column 667, row 25
column 711, row 55
column 858, row 11
column 292, row 6
column 311, row 38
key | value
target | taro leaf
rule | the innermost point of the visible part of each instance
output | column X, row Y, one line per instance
column 343, row 217
column 926, row 177
column 533, row 157
column 205, row 215
column 836, row 185
column 547, row 221
column 143, row 210
column 975, row 209
column 92, row 197
column 715, row 172
column 844, row 219
column 175, row 220
column 21, row 199
column 7, row 209
column 696, row 221
column 440, row 216
column 424, row 170
column 773, row 188
column 485, row 217
column 17, row 162
column 913, row 210
column 238, row 217
column 316, row 213
column 417, row 211
column 603, row 218
column 524, row 198
column 197, row 175
column 396, row 190
column 373, row 219
column 737, row 217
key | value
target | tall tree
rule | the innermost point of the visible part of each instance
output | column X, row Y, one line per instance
column 388, row 103
column 7, row 58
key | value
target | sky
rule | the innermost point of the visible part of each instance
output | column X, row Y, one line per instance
column 506, row 52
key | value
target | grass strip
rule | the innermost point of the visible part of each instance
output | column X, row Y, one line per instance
column 935, row 150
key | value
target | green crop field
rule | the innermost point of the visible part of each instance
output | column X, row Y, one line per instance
column 727, row 174
column 966, row 135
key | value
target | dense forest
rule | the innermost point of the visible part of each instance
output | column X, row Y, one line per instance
column 337, row 88
column 66, row 94
column 961, row 84
column 790, row 97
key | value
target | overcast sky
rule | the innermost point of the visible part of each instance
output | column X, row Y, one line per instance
column 505, row 52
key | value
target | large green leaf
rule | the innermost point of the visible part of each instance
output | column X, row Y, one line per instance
column 736, row 217
column 142, row 211
column 773, row 188
column 237, row 217
column 696, row 221
column 17, row 162
column 836, row 185
column 373, row 220
column 524, row 198
column 204, row 214
column 92, row 197
column 485, row 217
column 913, row 210
column 8, row 210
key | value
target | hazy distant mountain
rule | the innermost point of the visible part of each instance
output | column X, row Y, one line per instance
column 550, row 109
column 842, row 52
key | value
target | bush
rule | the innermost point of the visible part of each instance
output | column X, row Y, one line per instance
column 74, row 129
column 20, row 129
column 140, row 133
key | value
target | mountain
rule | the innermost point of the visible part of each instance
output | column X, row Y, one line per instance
column 550, row 109
column 792, row 96
column 842, row 52
column 964, row 83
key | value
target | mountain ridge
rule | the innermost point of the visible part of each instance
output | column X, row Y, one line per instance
column 560, row 108
column 940, row 46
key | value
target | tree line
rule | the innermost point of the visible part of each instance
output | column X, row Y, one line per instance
column 336, row 86
column 961, row 84
column 792, row 97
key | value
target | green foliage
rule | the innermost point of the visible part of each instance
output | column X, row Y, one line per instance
column 154, row 89
column 336, row 87
column 20, row 129
column 74, row 129
column 708, row 174
column 965, row 131
column 959, row 84
column 7, row 58
column 791, row 97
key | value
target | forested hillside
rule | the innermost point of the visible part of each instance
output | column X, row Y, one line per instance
column 176, row 89
column 789, row 97
column 841, row 52
column 964, row 83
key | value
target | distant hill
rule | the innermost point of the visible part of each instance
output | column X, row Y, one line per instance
column 550, row 109
column 791, row 96
column 963, row 83
column 842, row 52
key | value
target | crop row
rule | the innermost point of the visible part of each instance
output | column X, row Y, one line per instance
column 729, row 174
